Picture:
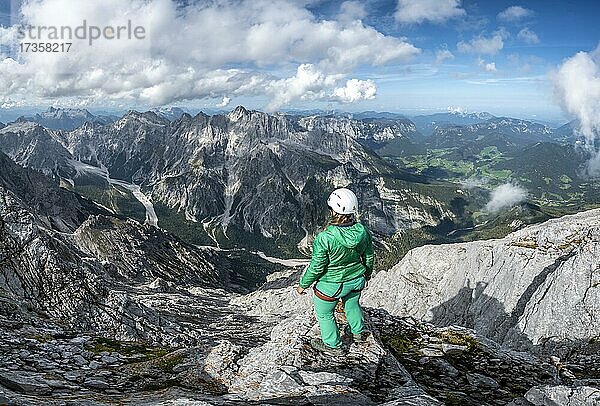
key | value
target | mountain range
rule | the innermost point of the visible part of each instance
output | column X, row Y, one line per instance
column 427, row 124
column 210, row 177
column 66, row 119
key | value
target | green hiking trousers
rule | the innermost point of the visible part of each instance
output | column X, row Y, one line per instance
column 349, row 293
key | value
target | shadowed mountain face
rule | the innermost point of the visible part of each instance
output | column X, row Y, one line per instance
column 53, row 207
column 74, row 261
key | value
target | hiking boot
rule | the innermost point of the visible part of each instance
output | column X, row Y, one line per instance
column 357, row 338
column 360, row 338
column 319, row 345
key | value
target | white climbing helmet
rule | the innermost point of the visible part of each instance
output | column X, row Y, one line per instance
column 343, row 201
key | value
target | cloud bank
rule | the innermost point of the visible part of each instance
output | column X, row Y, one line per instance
column 225, row 48
column 504, row 197
column 577, row 86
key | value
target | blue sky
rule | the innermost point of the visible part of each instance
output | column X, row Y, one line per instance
column 405, row 56
column 520, row 85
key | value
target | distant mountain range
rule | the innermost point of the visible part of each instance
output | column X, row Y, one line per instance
column 170, row 113
column 427, row 124
column 67, row 119
column 495, row 131
column 208, row 178
column 211, row 177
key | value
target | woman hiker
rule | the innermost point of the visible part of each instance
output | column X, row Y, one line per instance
column 341, row 264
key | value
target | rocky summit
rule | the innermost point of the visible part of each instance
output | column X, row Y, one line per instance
column 101, row 306
column 103, row 310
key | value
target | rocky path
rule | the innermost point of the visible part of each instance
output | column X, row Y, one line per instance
column 248, row 354
column 119, row 313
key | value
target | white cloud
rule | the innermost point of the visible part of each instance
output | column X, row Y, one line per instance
column 528, row 36
column 488, row 67
column 225, row 102
column 514, row 13
column 503, row 32
column 309, row 83
column 356, row 90
column 577, row 86
column 482, row 45
column 505, row 196
column 418, row 11
column 442, row 55
column 188, row 47
column 352, row 10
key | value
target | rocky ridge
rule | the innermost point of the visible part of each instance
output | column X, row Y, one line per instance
column 203, row 345
column 403, row 362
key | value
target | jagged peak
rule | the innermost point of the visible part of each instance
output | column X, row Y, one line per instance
column 132, row 113
column 240, row 109
column 238, row 113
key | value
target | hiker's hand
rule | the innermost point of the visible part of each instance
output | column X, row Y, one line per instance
column 300, row 290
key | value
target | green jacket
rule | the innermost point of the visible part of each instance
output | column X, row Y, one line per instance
column 340, row 253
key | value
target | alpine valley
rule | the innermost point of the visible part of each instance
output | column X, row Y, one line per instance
column 150, row 258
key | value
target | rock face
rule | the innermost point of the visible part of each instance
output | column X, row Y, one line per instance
column 535, row 288
column 33, row 146
column 73, row 262
column 54, row 207
column 266, row 360
column 563, row 395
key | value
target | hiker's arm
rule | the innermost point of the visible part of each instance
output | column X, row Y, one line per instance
column 318, row 263
column 369, row 257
